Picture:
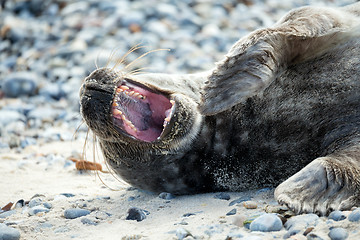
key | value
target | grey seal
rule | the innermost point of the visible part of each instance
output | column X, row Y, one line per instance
column 281, row 109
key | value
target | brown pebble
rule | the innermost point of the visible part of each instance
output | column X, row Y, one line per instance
column 134, row 28
column 250, row 204
column 308, row 230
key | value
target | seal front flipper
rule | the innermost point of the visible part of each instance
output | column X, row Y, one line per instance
column 328, row 183
column 255, row 60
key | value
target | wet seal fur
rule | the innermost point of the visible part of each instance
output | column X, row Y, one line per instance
column 282, row 107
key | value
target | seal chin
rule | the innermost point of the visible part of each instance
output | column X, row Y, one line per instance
column 142, row 113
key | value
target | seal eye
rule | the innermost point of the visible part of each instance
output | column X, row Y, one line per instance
column 140, row 112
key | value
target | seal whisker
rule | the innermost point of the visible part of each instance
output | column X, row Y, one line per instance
column 123, row 57
column 137, row 71
column 144, row 54
column 112, row 54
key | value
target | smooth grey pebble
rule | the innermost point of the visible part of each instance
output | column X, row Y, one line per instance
column 222, row 196
column 35, row 202
column 68, row 195
column 305, row 220
column 75, row 213
column 37, row 209
column 47, row 205
column 338, row 233
column 19, row 84
column 291, row 232
column 337, row 216
column 240, row 200
column 7, row 214
column 182, row 233
column 354, row 216
column 266, row 223
column 137, row 214
column 231, row 212
column 313, row 236
column 188, row 214
column 8, row 233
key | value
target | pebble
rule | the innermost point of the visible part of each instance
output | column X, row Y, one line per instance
column 47, row 205
column 222, row 196
column 313, row 236
column 88, row 221
column 182, row 233
column 188, row 214
column 231, row 212
column 137, row 214
column 7, row 214
column 19, row 84
column 8, row 233
column 102, row 215
column 166, row 196
column 250, row 204
column 75, row 213
column 35, row 202
column 302, row 221
column 337, row 216
column 68, row 195
column 338, row 233
column 354, row 216
column 38, row 209
column 266, row 223
column 240, row 200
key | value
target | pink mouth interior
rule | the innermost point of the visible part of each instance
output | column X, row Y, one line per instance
column 139, row 112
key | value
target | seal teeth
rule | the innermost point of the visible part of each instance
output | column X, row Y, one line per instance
column 117, row 112
column 124, row 88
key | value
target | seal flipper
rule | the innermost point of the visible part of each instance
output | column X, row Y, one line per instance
column 255, row 60
column 326, row 184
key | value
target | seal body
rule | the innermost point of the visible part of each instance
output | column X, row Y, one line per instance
column 282, row 107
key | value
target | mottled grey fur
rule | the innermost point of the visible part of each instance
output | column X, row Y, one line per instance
column 284, row 102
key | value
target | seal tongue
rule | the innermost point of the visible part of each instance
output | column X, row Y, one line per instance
column 140, row 112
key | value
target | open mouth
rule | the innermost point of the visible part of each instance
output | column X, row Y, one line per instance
column 140, row 112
